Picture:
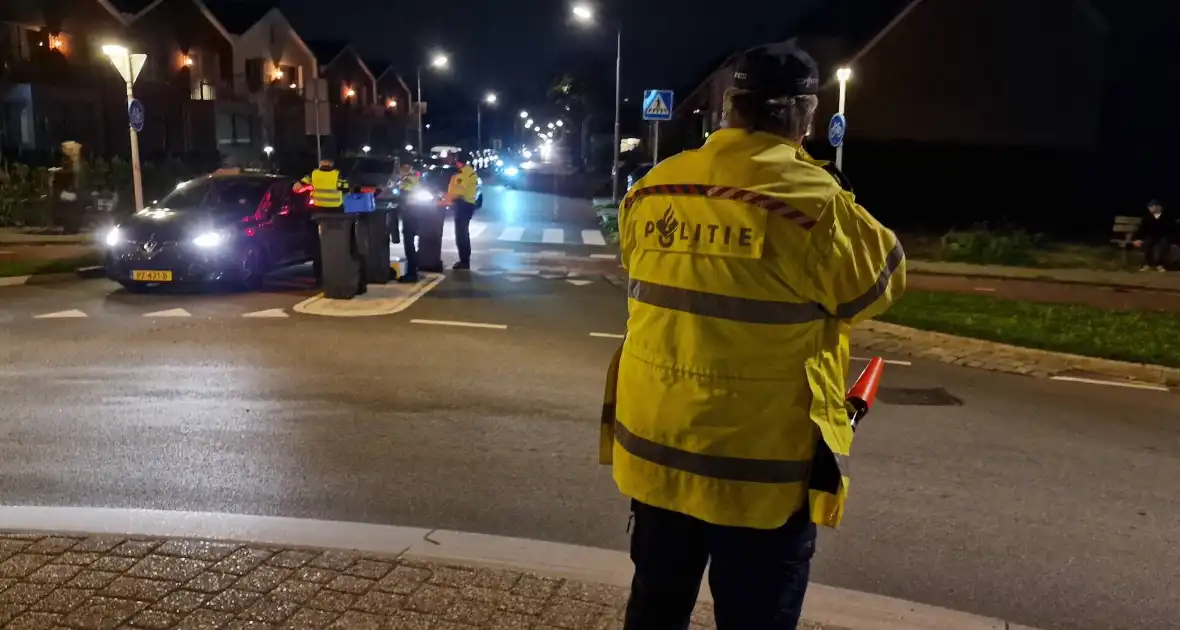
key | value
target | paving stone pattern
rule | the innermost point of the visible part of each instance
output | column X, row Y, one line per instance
column 104, row 583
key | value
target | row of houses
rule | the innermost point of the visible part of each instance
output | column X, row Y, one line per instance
column 223, row 78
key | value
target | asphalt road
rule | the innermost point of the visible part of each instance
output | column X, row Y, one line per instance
column 1045, row 503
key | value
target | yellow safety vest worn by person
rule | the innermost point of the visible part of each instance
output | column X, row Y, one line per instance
column 462, row 185
column 408, row 182
column 327, row 188
column 748, row 264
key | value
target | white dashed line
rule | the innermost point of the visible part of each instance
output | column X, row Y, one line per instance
column 580, row 283
column 553, row 236
column 1127, row 385
column 173, row 312
column 269, row 313
column 604, row 256
column 500, row 250
column 71, row 314
column 476, row 229
column 593, row 237
column 512, row 234
column 439, row 322
column 607, row 335
column 887, row 361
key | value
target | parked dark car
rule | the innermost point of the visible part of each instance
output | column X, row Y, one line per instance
column 216, row 228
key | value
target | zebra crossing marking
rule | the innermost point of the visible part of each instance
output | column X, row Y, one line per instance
column 512, row 234
column 553, row 236
column 593, row 237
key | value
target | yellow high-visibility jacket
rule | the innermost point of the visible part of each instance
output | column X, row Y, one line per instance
column 326, row 188
column 748, row 264
column 408, row 182
column 462, row 185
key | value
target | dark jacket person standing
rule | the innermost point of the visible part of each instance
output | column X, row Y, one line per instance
column 748, row 265
column 1155, row 236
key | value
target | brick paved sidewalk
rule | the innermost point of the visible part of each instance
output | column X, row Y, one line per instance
column 113, row 582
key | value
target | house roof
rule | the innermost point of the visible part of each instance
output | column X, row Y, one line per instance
column 130, row 7
column 237, row 16
column 200, row 6
column 32, row 12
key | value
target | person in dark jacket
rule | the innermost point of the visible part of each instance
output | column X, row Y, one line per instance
column 1155, row 236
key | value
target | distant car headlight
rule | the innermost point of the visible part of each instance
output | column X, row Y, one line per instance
column 512, row 171
column 422, row 195
column 209, row 240
column 114, row 238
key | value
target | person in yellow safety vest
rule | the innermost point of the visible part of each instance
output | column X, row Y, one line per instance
column 748, row 265
column 408, row 181
column 327, row 186
column 461, row 193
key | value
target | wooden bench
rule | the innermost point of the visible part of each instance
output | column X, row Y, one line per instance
column 1124, row 233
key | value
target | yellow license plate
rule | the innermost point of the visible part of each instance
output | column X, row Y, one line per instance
column 151, row 276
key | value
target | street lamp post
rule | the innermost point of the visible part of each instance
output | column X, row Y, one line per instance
column 129, row 66
column 585, row 14
column 842, row 75
column 438, row 61
column 490, row 99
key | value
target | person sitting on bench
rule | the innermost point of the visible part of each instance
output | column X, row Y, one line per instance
column 1155, row 236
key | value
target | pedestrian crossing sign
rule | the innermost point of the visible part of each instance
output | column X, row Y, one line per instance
column 657, row 105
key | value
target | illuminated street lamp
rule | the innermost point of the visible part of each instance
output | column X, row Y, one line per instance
column 524, row 114
column 561, row 123
column 366, row 149
column 438, row 61
column 129, row 65
column 490, row 98
column 584, row 14
column 842, row 75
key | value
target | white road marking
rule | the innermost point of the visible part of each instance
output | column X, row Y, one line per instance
column 887, row 361
column 439, row 322
column 62, row 315
column 272, row 312
column 593, row 237
column 551, row 276
column 173, row 312
column 607, row 335
column 512, row 234
column 517, row 278
column 985, row 289
column 550, row 254
column 525, row 272
column 476, row 229
column 580, row 283
column 553, row 236
column 12, row 281
column 448, row 231
column 604, row 256
column 500, row 250
column 1127, row 385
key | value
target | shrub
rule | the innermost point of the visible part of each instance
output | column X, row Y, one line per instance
column 981, row 246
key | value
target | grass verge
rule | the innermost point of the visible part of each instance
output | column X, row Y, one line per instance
column 1138, row 336
column 40, row 267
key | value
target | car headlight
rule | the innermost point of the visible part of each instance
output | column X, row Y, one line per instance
column 422, row 196
column 512, row 171
column 114, row 238
column 209, row 240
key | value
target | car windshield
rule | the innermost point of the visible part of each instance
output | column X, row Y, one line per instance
column 186, row 195
column 367, row 165
column 235, row 195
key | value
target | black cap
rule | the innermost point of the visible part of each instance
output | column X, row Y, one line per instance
column 777, row 70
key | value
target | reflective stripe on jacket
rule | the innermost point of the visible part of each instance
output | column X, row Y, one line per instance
column 326, row 188
column 462, row 184
column 748, row 265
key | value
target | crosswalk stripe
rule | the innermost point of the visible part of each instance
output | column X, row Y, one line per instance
column 273, row 312
column 593, row 237
column 477, row 229
column 553, row 236
column 512, row 234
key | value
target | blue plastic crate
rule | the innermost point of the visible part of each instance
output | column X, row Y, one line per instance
column 360, row 202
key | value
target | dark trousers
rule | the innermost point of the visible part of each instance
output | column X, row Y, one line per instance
column 1157, row 252
column 409, row 242
column 758, row 577
column 463, row 213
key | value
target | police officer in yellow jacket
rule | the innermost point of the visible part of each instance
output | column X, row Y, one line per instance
column 327, row 186
column 748, row 265
column 462, row 191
